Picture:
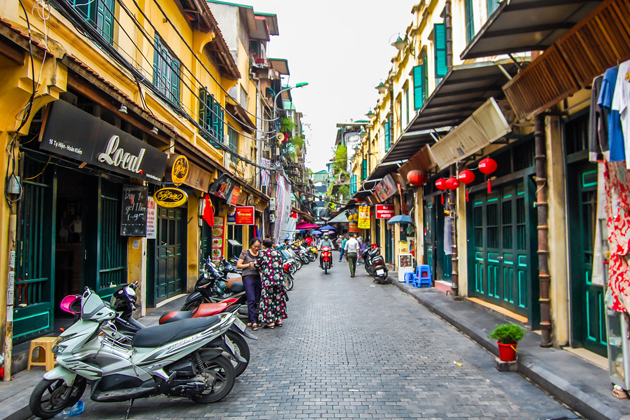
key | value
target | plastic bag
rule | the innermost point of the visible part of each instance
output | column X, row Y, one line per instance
column 73, row 411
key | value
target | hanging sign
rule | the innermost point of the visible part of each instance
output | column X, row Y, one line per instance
column 93, row 141
column 134, row 211
column 233, row 199
column 386, row 188
column 170, row 197
column 244, row 215
column 222, row 187
column 151, row 218
column 178, row 168
column 231, row 215
column 354, row 227
column 218, row 237
column 364, row 217
column 385, row 211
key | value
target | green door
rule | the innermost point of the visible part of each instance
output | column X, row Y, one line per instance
column 205, row 241
column 441, row 264
column 389, row 244
column 429, row 234
column 34, row 276
column 589, row 325
column 501, row 244
column 170, row 247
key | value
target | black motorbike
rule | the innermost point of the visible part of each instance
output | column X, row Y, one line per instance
column 375, row 265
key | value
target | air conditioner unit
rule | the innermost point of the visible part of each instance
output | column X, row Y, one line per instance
column 272, row 204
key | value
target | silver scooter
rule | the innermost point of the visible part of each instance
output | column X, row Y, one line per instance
column 166, row 359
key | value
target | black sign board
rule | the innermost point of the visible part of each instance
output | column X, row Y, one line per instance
column 76, row 134
column 134, row 211
column 222, row 187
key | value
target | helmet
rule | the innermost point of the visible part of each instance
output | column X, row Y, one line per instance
column 325, row 235
column 221, row 287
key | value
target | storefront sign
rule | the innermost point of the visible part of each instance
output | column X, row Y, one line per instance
column 354, row 227
column 245, row 215
column 231, row 215
column 151, row 218
column 385, row 211
column 386, row 188
column 218, row 237
column 170, row 197
column 198, row 178
column 179, row 168
column 134, row 211
column 233, row 198
column 222, row 187
column 364, row 217
column 74, row 133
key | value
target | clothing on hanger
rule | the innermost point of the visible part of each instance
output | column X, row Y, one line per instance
column 615, row 133
column 595, row 142
column 620, row 103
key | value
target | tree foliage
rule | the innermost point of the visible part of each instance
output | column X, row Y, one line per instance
column 341, row 159
column 286, row 125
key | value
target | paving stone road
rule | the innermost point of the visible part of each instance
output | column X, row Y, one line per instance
column 352, row 349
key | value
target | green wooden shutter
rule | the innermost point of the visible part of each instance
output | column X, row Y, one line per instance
column 388, row 134
column 407, row 101
column 439, row 38
column 156, row 62
column 418, row 87
column 470, row 24
column 492, row 6
column 174, row 79
column 105, row 19
column 364, row 170
column 203, row 108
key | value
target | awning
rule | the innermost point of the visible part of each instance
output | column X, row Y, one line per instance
column 464, row 89
column 410, row 142
column 340, row 218
column 527, row 25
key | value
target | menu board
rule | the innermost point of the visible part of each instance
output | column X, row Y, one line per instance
column 151, row 219
column 134, row 211
column 218, row 237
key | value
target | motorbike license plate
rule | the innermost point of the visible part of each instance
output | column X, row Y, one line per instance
column 230, row 345
column 239, row 324
column 380, row 271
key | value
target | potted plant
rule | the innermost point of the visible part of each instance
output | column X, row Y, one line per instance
column 507, row 336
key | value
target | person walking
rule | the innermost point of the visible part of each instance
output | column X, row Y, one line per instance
column 251, row 280
column 273, row 299
column 343, row 247
column 352, row 252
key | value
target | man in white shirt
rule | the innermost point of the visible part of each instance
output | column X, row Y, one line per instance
column 352, row 253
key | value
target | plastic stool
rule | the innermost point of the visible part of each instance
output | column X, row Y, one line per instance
column 423, row 278
column 47, row 358
column 410, row 277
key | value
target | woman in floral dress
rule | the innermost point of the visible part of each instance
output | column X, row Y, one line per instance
column 273, row 300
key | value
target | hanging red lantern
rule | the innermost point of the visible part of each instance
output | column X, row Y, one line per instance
column 417, row 178
column 487, row 166
column 466, row 176
column 440, row 184
column 452, row 183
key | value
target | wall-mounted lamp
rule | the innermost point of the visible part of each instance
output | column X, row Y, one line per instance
column 155, row 130
column 370, row 114
column 382, row 88
column 400, row 43
column 362, row 133
column 123, row 109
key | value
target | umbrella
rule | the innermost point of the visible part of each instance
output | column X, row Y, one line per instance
column 315, row 232
column 306, row 225
column 403, row 219
column 328, row 227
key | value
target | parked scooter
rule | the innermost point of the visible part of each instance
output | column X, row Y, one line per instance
column 301, row 252
column 375, row 264
column 170, row 360
column 212, row 287
column 326, row 258
column 312, row 252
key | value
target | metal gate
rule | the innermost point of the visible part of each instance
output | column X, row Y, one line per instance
column 112, row 248
column 171, row 243
column 501, row 264
column 34, row 277
column 441, row 264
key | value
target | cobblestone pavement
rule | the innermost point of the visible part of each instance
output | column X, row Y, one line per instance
column 352, row 349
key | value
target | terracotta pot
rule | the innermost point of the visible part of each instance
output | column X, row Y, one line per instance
column 507, row 352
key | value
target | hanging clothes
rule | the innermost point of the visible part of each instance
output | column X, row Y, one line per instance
column 617, row 179
column 616, row 142
column 448, row 236
column 620, row 103
column 600, row 222
column 595, row 145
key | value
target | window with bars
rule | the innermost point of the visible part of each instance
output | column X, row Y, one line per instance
column 100, row 14
column 211, row 118
column 233, row 143
column 166, row 68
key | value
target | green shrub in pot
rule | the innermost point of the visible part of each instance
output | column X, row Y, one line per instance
column 508, row 333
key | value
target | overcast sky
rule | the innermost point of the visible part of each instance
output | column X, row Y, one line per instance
column 341, row 48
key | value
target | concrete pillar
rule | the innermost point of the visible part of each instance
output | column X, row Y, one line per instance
column 396, row 227
column 419, row 221
column 462, row 242
column 192, row 245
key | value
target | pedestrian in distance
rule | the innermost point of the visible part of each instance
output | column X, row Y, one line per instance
column 251, row 280
column 352, row 252
column 273, row 300
column 344, row 241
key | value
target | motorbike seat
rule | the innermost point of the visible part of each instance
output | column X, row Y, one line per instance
column 373, row 252
column 175, row 316
column 162, row 334
column 237, row 287
column 209, row 309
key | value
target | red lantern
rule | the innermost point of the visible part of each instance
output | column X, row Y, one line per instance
column 440, row 184
column 452, row 183
column 417, row 178
column 487, row 166
column 466, row 176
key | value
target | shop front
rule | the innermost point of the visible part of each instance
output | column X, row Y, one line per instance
column 82, row 215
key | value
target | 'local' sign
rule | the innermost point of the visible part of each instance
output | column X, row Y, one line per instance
column 170, row 197
column 385, row 211
column 74, row 133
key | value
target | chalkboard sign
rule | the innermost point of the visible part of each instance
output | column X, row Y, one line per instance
column 134, row 211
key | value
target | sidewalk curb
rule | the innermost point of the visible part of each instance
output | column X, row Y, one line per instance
column 588, row 406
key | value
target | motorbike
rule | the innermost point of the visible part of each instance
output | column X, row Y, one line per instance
column 326, row 258
column 375, row 264
column 287, row 276
column 170, row 360
column 302, row 254
column 296, row 264
column 312, row 253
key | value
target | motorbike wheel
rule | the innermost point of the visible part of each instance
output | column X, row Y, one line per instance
column 288, row 281
column 299, row 264
column 325, row 268
column 224, row 377
column 191, row 306
column 243, row 351
column 49, row 398
column 292, row 270
column 312, row 257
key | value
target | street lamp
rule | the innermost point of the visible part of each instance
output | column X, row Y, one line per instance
column 382, row 88
column 370, row 114
column 275, row 99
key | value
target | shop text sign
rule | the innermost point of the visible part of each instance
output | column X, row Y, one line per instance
column 385, row 211
column 151, row 219
column 244, row 215
column 170, row 197
column 74, row 133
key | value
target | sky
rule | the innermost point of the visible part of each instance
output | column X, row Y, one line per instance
column 342, row 49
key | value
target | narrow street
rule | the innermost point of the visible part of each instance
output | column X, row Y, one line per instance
column 352, row 349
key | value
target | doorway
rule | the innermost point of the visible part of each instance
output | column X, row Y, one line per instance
column 170, row 274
